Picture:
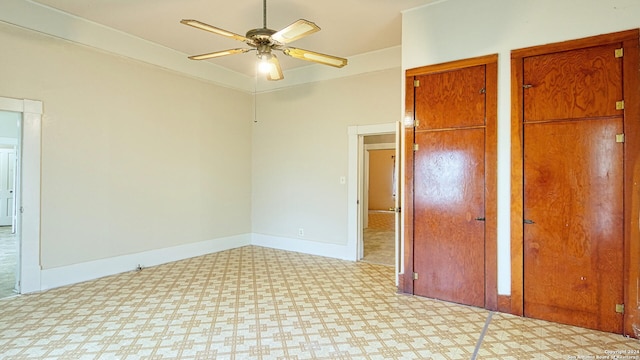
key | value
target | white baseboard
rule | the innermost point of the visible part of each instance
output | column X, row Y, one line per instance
column 303, row 246
column 76, row 273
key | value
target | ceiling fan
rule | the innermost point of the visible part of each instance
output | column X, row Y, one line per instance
column 265, row 41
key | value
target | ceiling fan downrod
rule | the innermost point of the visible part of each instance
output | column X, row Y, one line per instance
column 264, row 14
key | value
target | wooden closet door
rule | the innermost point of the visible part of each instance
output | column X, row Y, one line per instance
column 449, row 186
column 449, row 207
column 573, row 188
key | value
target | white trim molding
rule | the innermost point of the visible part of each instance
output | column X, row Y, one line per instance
column 91, row 270
column 336, row 251
column 76, row 273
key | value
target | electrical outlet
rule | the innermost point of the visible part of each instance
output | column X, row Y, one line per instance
column 300, row 232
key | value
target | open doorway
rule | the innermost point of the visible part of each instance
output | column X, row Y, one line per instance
column 26, row 194
column 9, row 241
column 379, row 199
column 356, row 189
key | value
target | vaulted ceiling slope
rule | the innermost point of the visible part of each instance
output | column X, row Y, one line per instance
column 350, row 28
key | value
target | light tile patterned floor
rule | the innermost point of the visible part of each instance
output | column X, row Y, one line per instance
column 8, row 261
column 379, row 247
column 513, row 337
column 259, row 303
column 379, row 238
column 381, row 220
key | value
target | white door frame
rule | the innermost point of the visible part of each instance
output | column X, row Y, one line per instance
column 355, row 191
column 28, row 190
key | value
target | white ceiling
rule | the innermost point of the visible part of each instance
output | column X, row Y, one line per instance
column 349, row 27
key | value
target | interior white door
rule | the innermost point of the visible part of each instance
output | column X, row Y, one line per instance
column 7, row 180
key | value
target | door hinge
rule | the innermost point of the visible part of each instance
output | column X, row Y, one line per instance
column 619, row 53
column 619, row 138
column 620, row 308
column 416, row 123
column 415, row 276
column 620, row 105
column 416, row 83
column 415, row 147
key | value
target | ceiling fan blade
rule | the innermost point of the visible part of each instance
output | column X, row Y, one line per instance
column 218, row 54
column 206, row 27
column 275, row 71
column 315, row 57
column 295, row 31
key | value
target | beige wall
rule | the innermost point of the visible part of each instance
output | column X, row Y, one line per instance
column 134, row 157
column 381, row 170
column 300, row 148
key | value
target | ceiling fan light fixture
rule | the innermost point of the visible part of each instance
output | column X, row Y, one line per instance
column 269, row 65
column 275, row 73
column 264, row 63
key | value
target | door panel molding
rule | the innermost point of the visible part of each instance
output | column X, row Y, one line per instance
column 491, row 256
column 631, row 90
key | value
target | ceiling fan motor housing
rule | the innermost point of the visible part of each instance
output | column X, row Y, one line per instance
column 262, row 35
